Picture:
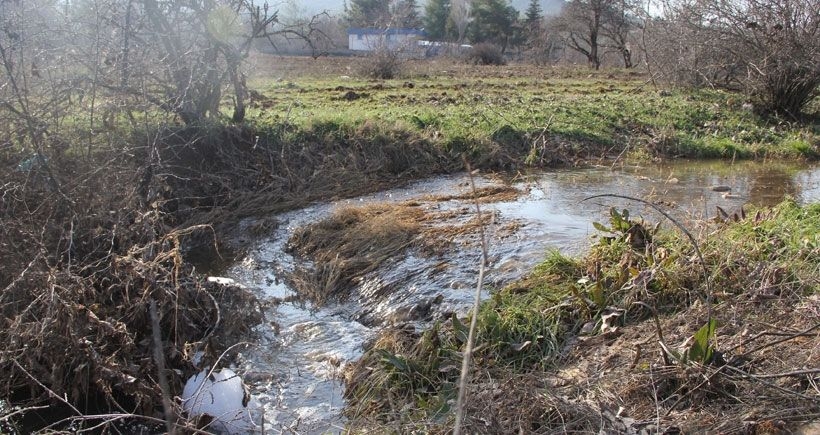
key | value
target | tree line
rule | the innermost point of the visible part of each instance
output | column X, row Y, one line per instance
column 768, row 48
column 588, row 26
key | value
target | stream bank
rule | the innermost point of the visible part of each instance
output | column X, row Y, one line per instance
column 296, row 370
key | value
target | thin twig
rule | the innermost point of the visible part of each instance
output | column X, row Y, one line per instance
column 757, row 378
column 787, row 374
column 782, row 340
column 159, row 359
column 8, row 416
column 49, row 390
column 659, row 330
column 468, row 350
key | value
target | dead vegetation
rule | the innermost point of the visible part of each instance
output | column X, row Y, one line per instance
column 84, row 259
column 349, row 244
column 616, row 383
column 341, row 249
column 619, row 383
column 82, row 264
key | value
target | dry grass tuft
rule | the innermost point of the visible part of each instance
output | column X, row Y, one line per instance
column 353, row 241
column 349, row 244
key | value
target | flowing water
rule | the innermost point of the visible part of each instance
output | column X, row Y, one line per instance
column 295, row 369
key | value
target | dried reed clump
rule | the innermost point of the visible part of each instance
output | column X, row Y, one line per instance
column 488, row 194
column 354, row 241
column 349, row 244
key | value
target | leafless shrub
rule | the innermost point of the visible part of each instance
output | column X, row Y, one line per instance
column 486, row 54
column 768, row 49
column 383, row 63
column 544, row 46
column 593, row 27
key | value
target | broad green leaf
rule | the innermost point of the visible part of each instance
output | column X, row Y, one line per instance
column 601, row 227
column 701, row 350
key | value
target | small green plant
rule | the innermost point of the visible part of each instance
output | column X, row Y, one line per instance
column 622, row 228
column 619, row 222
column 593, row 296
column 701, row 350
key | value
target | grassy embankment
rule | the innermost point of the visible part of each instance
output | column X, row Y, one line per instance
column 617, row 340
column 103, row 253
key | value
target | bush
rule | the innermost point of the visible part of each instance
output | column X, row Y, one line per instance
column 486, row 54
column 764, row 48
column 382, row 64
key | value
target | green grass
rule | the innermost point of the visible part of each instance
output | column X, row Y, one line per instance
column 596, row 112
column 515, row 109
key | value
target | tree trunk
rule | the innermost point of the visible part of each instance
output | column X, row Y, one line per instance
column 594, row 60
column 627, row 54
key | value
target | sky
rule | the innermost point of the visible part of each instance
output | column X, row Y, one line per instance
column 305, row 7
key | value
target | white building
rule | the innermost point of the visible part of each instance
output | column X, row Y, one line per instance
column 369, row 39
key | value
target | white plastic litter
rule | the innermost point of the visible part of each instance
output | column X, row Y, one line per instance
column 221, row 280
column 221, row 396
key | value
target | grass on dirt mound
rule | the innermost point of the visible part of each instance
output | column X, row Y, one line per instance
column 353, row 241
column 619, row 340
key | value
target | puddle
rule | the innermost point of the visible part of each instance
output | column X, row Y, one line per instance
column 295, row 371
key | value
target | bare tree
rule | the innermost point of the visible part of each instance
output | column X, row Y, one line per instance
column 200, row 46
column 617, row 25
column 460, row 15
column 35, row 92
column 581, row 22
column 316, row 34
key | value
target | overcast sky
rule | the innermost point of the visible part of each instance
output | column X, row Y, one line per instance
column 304, row 7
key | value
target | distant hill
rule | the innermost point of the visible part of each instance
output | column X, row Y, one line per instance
column 550, row 7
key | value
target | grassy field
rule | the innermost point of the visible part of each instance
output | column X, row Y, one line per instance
column 541, row 109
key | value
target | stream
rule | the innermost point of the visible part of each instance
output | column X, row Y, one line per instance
column 294, row 371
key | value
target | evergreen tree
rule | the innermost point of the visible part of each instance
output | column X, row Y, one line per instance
column 369, row 13
column 436, row 14
column 383, row 14
column 406, row 14
column 494, row 21
column 534, row 13
column 533, row 20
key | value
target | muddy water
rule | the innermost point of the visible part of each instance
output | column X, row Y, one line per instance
column 295, row 369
